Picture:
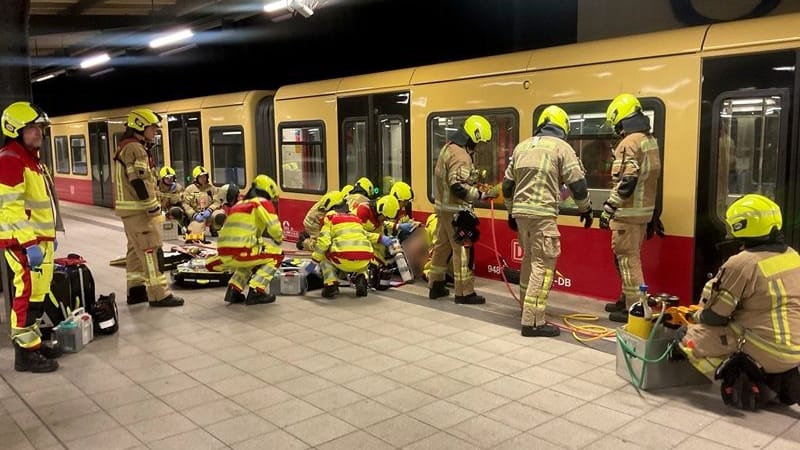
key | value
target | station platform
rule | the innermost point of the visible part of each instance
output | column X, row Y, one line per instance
column 391, row 370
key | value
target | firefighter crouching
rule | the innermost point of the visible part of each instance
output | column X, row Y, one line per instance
column 170, row 195
column 362, row 192
column 201, row 204
column 752, row 305
column 250, row 244
column 312, row 223
column 532, row 185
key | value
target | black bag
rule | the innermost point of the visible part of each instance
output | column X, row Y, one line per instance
column 72, row 288
column 105, row 315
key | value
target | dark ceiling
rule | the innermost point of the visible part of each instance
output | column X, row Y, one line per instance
column 244, row 48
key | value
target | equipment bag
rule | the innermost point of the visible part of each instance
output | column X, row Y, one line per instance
column 105, row 314
column 72, row 288
column 193, row 273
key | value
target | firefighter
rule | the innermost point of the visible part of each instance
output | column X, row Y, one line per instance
column 137, row 205
column 362, row 192
column 28, row 218
column 314, row 218
column 170, row 195
column 250, row 244
column 201, row 204
column 455, row 192
column 532, row 189
column 405, row 223
column 628, row 212
column 753, row 302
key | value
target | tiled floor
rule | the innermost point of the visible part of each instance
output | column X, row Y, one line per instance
column 390, row 371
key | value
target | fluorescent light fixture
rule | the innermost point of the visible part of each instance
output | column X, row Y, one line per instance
column 95, row 60
column 231, row 133
column 171, row 38
column 300, row 8
column 275, row 6
column 783, row 69
column 44, row 77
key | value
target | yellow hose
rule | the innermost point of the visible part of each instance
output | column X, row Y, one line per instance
column 594, row 331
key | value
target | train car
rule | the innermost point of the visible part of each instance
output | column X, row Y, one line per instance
column 722, row 99
column 229, row 134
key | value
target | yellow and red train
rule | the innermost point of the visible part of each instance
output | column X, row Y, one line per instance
column 723, row 100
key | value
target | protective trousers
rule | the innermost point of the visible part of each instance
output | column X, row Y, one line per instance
column 331, row 269
column 30, row 289
column 256, row 272
column 541, row 241
column 141, row 263
column 707, row 347
column 446, row 244
column 626, row 243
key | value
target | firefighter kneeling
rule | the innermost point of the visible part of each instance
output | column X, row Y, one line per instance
column 749, row 312
column 250, row 244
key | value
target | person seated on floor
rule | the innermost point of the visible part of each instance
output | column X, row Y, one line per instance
column 250, row 244
column 201, row 205
column 170, row 195
column 749, row 312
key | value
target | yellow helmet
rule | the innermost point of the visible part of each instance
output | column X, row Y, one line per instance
column 402, row 191
column 21, row 114
column 478, row 129
column 753, row 216
column 141, row 118
column 622, row 107
column 266, row 185
column 346, row 189
column 366, row 185
column 199, row 170
column 166, row 171
column 431, row 221
column 331, row 199
column 388, row 206
column 555, row 115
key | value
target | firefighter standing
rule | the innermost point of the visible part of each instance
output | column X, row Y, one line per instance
column 754, row 300
column 454, row 193
column 28, row 216
column 628, row 212
column 201, row 204
column 250, row 244
column 170, row 194
column 533, row 178
column 137, row 205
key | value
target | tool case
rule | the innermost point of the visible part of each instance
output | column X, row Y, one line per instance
column 288, row 281
column 193, row 273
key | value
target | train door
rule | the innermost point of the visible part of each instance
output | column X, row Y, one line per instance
column 748, row 144
column 185, row 144
column 265, row 138
column 374, row 139
column 100, row 152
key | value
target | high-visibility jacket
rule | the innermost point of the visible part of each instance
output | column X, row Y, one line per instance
column 538, row 168
column 251, row 228
column 169, row 195
column 636, row 156
column 356, row 199
column 132, row 161
column 28, row 211
column 760, row 292
column 313, row 220
column 197, row 198
column 342, row 237
column 369, row 219
column 454, row 166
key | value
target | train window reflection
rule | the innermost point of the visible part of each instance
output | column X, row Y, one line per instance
column 227, row 155
column 492, row 157
column 62, row 154
column 391, row 139
column 355, row 149
column 748, row 139
column 77, row 146
column 302, row 158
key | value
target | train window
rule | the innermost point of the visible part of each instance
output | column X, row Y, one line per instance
column 77, row 146
column 391, row 142
column 157, row 150
column 491, row 157
column 227, row 155
column 302, row 157
column 355, row 149
column 46, row 152
column 62, row 154
column 748, row 141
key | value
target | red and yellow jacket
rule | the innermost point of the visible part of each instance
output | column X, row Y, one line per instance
column 342, row 237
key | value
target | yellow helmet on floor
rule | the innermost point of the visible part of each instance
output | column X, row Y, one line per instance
column 622, row 107
column 555, row 115
column 331, row 199
column 166, row 171
column 266, row 185
column 388, row 206
column 478, row 129
column 402, row 191
column 141, row 118
column 199, row 170
column 21, row 114
column 753, row 216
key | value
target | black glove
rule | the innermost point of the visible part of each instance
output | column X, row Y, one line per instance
column 655, row 227
column 587, row 218
column 608, row 213
column 512, row 223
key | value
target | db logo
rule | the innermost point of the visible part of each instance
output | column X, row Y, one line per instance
column 289, row 232
column 517, row 252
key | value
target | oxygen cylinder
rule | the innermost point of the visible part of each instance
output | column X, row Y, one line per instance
column 402, row 264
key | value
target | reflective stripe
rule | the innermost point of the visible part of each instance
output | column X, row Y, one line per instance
column 634, row 212
column 11, row 197
column 780, row 319
column 781, row 263
column 28, row 337
column 33, row 204
column 727, row 298
column 785, row 352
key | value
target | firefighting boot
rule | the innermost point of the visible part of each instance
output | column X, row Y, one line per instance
column 619, row 316
column 233, row 295
column 619, row 305
column 439, row 289
column 137, row 294
column 361, row 285
column 471, row 299
column 330, row 290
column 32, row 361
column 168, row 302
column 545, row 330
column 50, row 352
column 256, row 297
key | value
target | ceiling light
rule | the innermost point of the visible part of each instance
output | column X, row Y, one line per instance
column 44, row 78
column 299, row 7
column 275, row 6
column 171, row 38
column 95, row 60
